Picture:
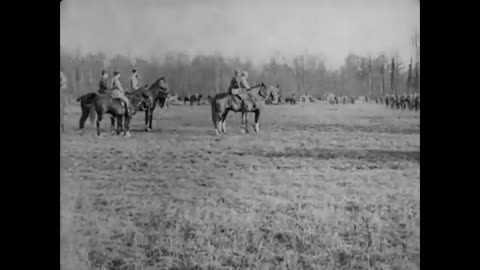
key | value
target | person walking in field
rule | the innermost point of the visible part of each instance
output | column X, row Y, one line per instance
column 103, row 84
column 134, row 80
column 118, row 92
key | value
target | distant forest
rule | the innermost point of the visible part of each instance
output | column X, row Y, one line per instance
column 306, row 74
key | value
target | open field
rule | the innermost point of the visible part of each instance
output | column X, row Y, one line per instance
column 321, row 187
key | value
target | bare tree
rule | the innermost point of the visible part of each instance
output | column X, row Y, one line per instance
column 392, row 76
column 382, row 74
column 369, row 77
column 409, row 77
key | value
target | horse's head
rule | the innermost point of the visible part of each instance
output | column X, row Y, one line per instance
column 141, row 101
column 263, row 91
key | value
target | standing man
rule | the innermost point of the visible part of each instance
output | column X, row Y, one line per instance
column 103, row 84
column 118, row 92
column 134, row 80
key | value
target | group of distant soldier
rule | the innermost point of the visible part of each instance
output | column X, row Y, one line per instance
column 403, row 102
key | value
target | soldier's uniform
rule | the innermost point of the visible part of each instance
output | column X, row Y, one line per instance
column 118, row 92
column 234, row 87
column 238, row 86
column 103, row 85
column 134, row 83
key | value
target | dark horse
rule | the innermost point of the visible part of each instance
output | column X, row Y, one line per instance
column 222, row 103
column 195, row 98
column 156, row 94
column 96, row 105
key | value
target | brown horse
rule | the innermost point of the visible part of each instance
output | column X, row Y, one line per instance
column 156, row 94
column 96, row 105
column 222, row 103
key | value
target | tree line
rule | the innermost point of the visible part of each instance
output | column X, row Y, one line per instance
column 208, row 74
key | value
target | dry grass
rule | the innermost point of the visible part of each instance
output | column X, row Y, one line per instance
column 321, row 187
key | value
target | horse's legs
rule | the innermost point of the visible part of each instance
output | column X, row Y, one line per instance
column 150, row 120
column 257, row 117
column 83, row 118
column 244, row 125
column 120, row 124
column 112, row 125
column 150, row 116
column 147, row 112
column 127, row 126
column 217, row 120
column 99, row 119
column 223, row 124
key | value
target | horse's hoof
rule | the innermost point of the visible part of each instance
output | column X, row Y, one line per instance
column 243, row 131
column 127, row 135
column 217, row 132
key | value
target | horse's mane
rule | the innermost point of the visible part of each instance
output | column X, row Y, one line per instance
column 256, row 87
column 156, row 84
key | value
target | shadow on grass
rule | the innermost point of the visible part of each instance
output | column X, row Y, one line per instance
column 369, row 155
column 352, row 128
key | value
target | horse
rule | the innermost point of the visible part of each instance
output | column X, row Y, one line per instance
column 157, row 94
column 195, row 98
column 95, row 105
column 290, row 100
column 186, row 99
column 222, row 103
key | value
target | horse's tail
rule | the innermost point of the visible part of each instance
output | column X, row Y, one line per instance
column 213, row 104
column 87, row 103
column 93, row 114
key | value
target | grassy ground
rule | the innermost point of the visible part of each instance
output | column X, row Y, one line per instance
column 321, row 187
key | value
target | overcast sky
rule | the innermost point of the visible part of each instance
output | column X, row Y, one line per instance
column 255, row 29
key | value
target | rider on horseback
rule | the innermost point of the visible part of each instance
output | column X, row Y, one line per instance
column 118, row 92
column 103, row 84
column 238, row 84
column 134, row 80
column 243, row 82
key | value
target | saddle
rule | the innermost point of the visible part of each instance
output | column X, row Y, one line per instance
column 242, row 99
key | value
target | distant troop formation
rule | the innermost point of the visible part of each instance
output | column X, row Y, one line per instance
column 403, row 102
column 334, row 99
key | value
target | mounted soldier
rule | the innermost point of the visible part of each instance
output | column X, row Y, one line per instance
column 103, row 84
column 134, row 80
column 234, row 88
column 118, row 92
column 244, row 83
